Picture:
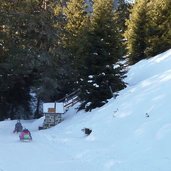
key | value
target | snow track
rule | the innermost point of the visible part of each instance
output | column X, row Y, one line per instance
column 123, row 137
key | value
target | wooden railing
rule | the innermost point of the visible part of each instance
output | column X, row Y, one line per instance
column 70, row 100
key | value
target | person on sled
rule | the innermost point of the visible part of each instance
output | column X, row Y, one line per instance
column 25, row 135
column 18, row 127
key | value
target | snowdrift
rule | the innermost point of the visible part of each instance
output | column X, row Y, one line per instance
column 130, row 133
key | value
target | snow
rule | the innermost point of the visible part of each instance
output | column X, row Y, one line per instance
column 90, row 76
column 95, row 85
column 59, row 107
column 123, row 138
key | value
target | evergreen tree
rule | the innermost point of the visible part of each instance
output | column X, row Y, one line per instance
column 76, row 17
column 11, row 74
column 121, row 15
column 159, row 24
column 148, row 31
column 136, row 32
column 29, row 39
column 99, row 55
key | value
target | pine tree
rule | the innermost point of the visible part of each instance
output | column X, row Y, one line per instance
column 76, row 17
column 29, row 41
column 121, row 15
column 100, row 53
column 11, row 74
column 136, row 32
column 148, row 31
column 159, row 34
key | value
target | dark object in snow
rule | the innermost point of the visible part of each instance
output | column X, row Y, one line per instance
column 18, row 127
column 40, row 127
column 147, row 115
column 116, row 110
column 87, row 131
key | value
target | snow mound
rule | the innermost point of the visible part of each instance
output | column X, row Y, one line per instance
column 130, row 133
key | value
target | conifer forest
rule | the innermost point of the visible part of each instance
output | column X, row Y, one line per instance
column 52, row 48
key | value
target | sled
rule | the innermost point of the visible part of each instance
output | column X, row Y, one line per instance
column 25, row 136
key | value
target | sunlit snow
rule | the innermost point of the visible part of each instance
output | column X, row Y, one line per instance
column 129, row 133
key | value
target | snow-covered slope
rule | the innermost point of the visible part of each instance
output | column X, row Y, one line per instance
column 123, row 137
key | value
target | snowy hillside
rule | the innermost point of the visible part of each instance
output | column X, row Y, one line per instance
column 130, row 133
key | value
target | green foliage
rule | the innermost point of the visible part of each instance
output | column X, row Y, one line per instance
column 159, row 24
column 76, row 24
column 76, row 16
column 100, row 53
column 28, row 39
column 136, row 32
column 54, row 48
column 148, row 32
column 120, row 16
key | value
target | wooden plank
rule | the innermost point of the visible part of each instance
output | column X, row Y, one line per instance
column 51, row 110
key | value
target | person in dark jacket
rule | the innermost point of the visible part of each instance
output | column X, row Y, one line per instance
column 18, row 127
